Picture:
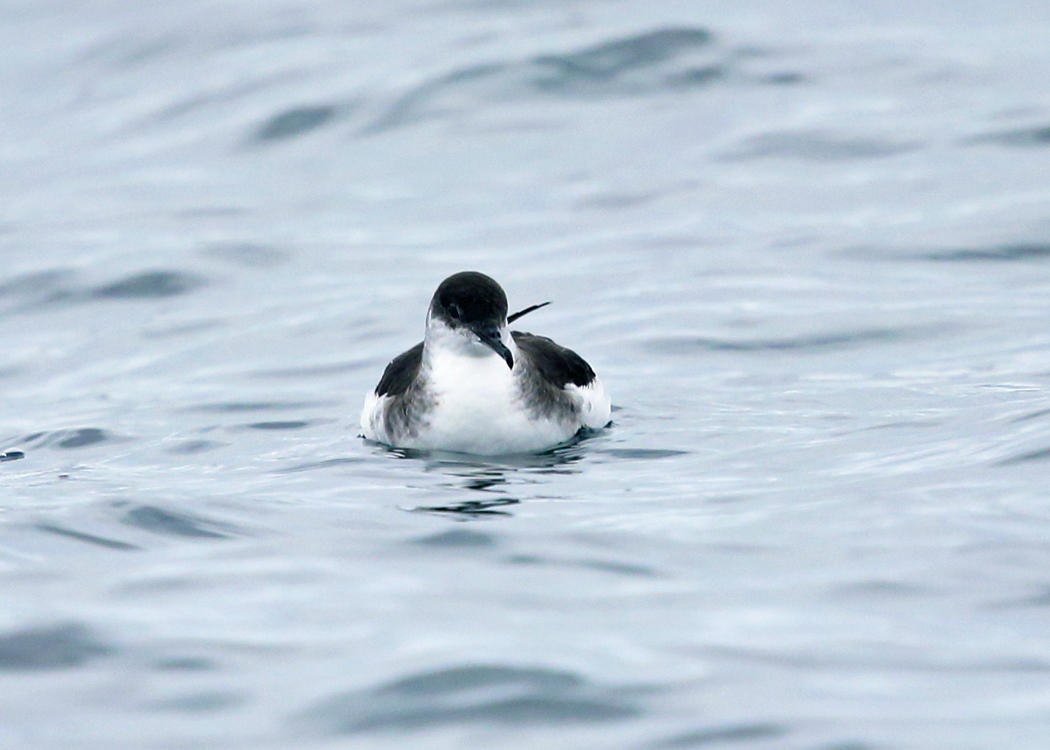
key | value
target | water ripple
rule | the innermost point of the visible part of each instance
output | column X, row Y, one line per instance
column 149, row 284
column 998, row 253
column 1037, row 414
column 726, row 734
column 471, row 508
column 200, row 701
column 289, row 424
column 184, row 664
column 170, row 523
column 325, row 464
column 296, row 121
column 1034, row 137
column 35, row 282
column 608, row 60
column 831, row 340
column 247, row 254
column 458, row 679
column 818, row 146
column 248, row 406
column 604, row 566
column 191, row 447
column 37, row 289
column 80, row 437
column 484, row 694
column 313, row 370
column 641, row 453
column 641, row 63
column 57, row 287
column 50, row 647
column 82, row 536
column 457, row 538
column 1042, row 454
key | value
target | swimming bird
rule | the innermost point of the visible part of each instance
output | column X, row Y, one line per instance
column 474, row 386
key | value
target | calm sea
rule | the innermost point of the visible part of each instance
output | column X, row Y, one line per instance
column 806, row 245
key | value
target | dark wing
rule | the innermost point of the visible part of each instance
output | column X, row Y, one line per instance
column 401, row 371
column 555, row 364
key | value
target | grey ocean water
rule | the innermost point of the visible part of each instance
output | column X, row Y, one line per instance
column 806, row 245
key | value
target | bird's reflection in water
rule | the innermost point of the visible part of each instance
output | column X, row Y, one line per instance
column 490, row 477
column 471, row 508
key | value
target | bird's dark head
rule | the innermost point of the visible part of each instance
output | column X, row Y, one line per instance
column 472, row 304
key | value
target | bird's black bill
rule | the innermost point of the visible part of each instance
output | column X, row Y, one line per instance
column 514, row 316
column 490, row 337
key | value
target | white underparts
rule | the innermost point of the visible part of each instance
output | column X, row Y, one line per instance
column 474, row 402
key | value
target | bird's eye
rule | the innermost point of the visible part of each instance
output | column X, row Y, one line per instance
column 454, row 311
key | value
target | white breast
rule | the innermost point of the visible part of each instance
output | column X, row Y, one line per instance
column 478, row 409
column 472, row 402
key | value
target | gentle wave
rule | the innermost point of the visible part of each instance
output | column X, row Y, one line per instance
column 473, row 694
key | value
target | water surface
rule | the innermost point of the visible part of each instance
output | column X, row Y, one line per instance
column 805, row 247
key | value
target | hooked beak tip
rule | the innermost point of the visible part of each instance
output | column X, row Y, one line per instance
column 492, row 340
